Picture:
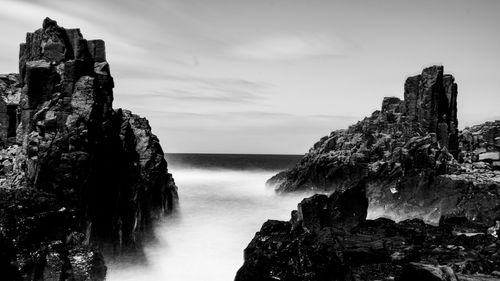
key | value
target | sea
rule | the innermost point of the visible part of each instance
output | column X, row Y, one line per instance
column 223, row 202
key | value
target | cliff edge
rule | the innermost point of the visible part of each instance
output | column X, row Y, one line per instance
column 411, row 156
column 329, row 238
column 77, row 177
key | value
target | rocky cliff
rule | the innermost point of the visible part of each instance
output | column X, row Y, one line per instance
column 407, row 161
column 329, row 238
column 410, row 156
column 78, row 178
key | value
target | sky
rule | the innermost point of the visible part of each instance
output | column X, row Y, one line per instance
column 272, row 76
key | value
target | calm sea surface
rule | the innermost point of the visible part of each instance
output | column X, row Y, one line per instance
column 223, row 202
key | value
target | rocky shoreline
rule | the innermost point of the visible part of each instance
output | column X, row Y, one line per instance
column 78, row 179
column 329, row 238
column 81, row 181
column 410, row 154
column 407, row 162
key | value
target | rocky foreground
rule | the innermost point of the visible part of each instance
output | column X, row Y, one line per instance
column 329, row 238
column 408, row 162
column 78, row 179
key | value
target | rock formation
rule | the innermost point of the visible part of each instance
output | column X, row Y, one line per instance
column 78, row 178
column 329, row 238
column 411, row 156
column 409, row 162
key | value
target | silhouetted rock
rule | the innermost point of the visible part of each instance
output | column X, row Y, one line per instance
column 77, row 177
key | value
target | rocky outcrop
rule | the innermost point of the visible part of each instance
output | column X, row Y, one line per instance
column 340, row 244
column 9, row 108
column 78, row 178
column 409, row 134
column 411, row 156
column 480, row 146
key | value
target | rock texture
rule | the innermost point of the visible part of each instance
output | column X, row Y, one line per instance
column 411, row 156
column 78, row 178
column 407, row 161
column 329, row 238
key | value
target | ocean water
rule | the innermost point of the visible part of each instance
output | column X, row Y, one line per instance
column 223, row 202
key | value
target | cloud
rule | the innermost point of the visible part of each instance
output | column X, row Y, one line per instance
column 290, row 47
column 208, row 95
column 189, row 89
column 249, row 118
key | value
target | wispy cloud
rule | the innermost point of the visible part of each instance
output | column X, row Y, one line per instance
column 208, row 95
column 290, row 47
column 191, row 88
column 250, row 117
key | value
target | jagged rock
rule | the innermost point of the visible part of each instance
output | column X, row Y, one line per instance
column 414, row 166
column 344, row 211
column 411, row 156
column 405, row 136
column 98, row 172
column 9, row 113
column 381, row 249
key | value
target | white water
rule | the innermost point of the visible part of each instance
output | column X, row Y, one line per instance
column 219, row 213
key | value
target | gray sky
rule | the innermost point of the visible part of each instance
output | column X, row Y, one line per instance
column 272, row 76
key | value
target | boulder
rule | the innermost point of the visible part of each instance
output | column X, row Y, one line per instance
column 345, row 210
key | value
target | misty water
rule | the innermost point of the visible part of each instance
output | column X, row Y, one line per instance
column 223, row 202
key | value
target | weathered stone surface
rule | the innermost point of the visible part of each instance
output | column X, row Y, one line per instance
column 9, row 112
column 381, row 249
column 97, row 50
column 415, row 167
column 38, row 228
column 410, row 155
column 79, row 178
column 344, row 211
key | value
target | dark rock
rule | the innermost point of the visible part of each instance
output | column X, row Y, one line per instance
column 407, row 162
column 38, row 233
column 9, row 108
column 8, row 263
column 97, row 50
column 378, row 249
column 411, row 157
column 306, row 248
column 80, row 178
column 478, row 277
column 419, row 272
column 346, row 210
column 391, row 104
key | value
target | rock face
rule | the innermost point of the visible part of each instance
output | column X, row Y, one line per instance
column 411, row 156
column 407, row 161
column 9, row 103
column 340, row 244
column 78, row 177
